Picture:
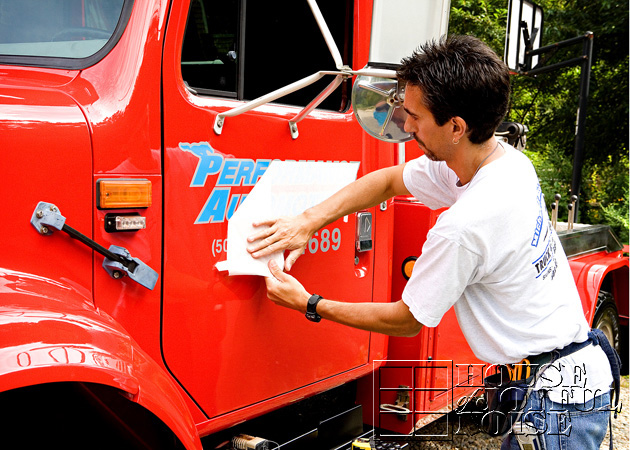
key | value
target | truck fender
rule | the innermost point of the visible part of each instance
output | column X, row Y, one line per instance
column 591, row 271
column 50, row 331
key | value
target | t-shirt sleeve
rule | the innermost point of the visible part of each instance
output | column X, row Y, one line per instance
column 439, row 278
column 431, row 182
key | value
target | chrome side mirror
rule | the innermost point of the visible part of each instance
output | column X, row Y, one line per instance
column 378, row 106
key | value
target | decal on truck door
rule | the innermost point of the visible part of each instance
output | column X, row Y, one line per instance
column 222, row 202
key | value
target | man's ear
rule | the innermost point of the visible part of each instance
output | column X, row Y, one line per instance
column 459, row 128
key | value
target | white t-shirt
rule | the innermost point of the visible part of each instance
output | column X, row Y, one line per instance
column 495, row 257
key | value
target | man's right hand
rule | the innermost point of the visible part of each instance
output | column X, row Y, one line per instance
column 293, row 233
column 284, row 233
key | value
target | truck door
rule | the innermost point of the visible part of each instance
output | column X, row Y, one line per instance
column 223, row 340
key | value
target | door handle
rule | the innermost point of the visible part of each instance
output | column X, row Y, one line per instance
column 363, row 240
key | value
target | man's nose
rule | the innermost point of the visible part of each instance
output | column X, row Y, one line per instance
column 408, row 126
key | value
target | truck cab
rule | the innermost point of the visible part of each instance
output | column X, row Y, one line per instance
column 123, row 148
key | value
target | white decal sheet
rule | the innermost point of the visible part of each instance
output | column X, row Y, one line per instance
column 286, row 189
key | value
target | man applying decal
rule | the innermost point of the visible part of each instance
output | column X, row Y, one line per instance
column 492, row 255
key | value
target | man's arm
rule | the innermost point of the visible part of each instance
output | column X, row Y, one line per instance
column 393, row 319
column 293, row 233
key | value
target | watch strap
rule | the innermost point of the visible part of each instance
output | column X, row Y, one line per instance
column 311, row 308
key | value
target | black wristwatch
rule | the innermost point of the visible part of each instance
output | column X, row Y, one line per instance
column 311, row 308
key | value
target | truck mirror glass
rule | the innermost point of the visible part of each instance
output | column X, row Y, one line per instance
column 378, row 106
column 524, row 32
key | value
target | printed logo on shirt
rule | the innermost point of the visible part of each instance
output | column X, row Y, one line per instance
column 547, row 264
column 540, row 219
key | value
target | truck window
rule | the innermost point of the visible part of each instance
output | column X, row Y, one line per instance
column 56, row 29
column 244, row 49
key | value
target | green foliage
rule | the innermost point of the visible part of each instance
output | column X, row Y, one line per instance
column 554, row 173
column 607, row 191
column 485, row 19
column 548, row 103
column 616, row 215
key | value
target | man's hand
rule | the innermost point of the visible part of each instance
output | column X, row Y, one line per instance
column 293, row 233
column 285, row 233
column 284, row 290
column 393, row 319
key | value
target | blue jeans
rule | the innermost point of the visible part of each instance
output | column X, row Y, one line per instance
column 565, row 426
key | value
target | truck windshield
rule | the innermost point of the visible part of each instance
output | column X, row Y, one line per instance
column 57, row 28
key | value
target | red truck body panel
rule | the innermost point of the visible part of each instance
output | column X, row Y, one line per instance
column 52, row 333
column 589, row 272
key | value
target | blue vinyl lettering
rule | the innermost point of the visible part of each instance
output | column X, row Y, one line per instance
column 227, row 175
column 210, row 163
column 222, row 203
column 244, row 174
column 232, row 206
column 261, row 167
column 214, row 209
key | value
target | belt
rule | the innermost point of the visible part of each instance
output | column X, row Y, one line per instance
column 526, row 368
column 595, row 337
column 523, row 369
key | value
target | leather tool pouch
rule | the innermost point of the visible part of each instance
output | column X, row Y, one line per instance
column 505, row 399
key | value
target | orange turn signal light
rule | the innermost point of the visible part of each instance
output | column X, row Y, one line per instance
column 407, row 266
column 123, row 193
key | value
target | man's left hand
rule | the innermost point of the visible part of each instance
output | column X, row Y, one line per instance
column 285, row 290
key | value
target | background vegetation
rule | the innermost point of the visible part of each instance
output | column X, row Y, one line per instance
column 548, row 103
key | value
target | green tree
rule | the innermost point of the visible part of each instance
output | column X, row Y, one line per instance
column 485, row 19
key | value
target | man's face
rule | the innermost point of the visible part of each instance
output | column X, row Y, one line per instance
column 432, row 139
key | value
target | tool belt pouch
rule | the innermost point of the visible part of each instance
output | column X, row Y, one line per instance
column 505, row 399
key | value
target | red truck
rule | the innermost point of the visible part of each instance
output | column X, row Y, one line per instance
column 123, row 158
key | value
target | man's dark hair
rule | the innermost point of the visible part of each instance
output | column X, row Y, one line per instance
column 461, row 76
